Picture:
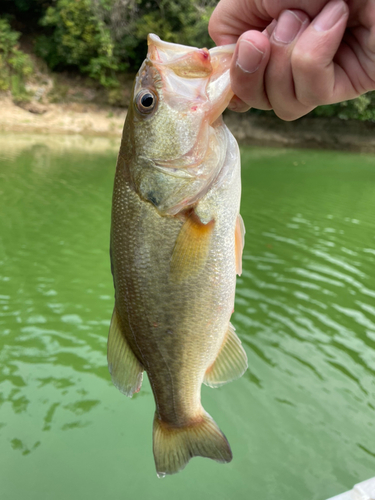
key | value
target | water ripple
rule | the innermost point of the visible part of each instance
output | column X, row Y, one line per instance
column 304, row 310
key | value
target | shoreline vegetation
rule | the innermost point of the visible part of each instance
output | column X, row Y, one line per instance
column 67, row 67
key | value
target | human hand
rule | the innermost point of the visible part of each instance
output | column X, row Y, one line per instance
column 316, row 53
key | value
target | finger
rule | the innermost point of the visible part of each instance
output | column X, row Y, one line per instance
column 279, row 77
column 231, row 18
column 228, row 21
column 269, row 29
column 247, row 72
column 318, row 78
column 357, row 58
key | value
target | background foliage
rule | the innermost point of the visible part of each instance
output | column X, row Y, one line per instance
column 15, row 65
column 107, row 38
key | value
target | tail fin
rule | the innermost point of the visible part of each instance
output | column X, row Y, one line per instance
column 175, row 446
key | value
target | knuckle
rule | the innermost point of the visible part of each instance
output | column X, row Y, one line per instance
column 266, row 106
column 308, row 96
column 240, row 108
column 241, row 88
column 288, row 115
column 309, row 54
column 312, row 95
column 311, row 85
column 302, row 61
column 248, row 99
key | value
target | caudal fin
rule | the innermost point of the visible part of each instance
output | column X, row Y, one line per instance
column 175, row 446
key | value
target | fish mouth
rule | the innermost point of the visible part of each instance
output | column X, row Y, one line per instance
column 188, row 62
column 198, row 74
column 153, row 39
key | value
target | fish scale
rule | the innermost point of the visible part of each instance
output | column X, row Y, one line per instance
column 174, row 265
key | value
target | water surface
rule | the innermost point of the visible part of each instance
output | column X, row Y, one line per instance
column 300, row 421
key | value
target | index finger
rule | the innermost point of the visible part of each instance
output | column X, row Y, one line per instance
column 231, row 18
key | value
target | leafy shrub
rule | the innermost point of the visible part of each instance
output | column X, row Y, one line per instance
column 362, row 108
column 105, row 37
column 176, row 21
column 79, row 38
column 15, row 65
column 26, row 12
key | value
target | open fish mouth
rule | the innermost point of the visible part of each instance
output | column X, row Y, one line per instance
column 194, row 74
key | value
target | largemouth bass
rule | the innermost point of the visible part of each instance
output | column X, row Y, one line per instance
column 176, row 245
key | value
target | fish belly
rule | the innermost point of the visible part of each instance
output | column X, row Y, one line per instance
column 176, row 328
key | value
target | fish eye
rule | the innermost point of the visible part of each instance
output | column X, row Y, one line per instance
column 145, row 101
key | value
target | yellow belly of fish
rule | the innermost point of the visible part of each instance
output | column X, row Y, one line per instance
column 176, row 328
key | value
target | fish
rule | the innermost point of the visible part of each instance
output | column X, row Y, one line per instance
column 176, row 246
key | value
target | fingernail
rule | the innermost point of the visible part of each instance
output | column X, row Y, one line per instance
column 249, row 57
column 269, row 30
column 236, row 104
column 287, row 27
column 233, row 105
column 329, row 16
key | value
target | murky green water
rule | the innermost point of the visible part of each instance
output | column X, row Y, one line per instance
column 301, row 420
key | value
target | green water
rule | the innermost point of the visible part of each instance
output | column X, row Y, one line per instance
column 300, row 421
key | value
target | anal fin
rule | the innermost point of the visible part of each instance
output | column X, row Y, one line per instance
column 231, row 362
column 239, row 243
column 125, row 369
column 191, row 248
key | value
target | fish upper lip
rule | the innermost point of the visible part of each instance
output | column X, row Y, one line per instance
column 156, row 40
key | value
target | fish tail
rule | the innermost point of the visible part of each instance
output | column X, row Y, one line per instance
column 175, row 446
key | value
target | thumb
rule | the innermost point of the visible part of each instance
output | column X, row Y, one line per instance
column 247, row 71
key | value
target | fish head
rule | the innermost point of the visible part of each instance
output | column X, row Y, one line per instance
column 179, row 94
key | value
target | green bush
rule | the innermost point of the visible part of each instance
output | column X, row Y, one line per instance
column 176, row 21
column 104, row 37
column 79, row 38
column 15, row 65
column 362, row 108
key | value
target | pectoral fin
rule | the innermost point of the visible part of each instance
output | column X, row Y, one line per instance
column 191, row 248
column 125, row 369
column 239, row 243
column 231, row 362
